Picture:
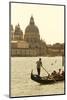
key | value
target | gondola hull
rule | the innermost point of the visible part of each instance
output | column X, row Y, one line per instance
column 45, row 79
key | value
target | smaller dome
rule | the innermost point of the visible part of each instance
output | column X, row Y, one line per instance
column 17, row 27
column 18, row 30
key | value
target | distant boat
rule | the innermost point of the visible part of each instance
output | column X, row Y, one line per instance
column 45, row 79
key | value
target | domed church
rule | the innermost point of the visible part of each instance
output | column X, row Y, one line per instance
column 32, row 32
column 32, row 36
column 35, row 46
column 30, row 44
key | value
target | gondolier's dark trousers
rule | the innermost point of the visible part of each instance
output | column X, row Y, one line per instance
column 38, row 70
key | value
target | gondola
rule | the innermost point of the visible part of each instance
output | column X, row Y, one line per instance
column 45, row 79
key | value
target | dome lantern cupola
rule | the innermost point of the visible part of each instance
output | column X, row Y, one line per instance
column 32, row 20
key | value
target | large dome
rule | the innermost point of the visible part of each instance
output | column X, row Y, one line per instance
column 31, row 28
column 32, row 31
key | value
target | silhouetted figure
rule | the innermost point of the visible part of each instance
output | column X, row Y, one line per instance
column 39, row 65
column 59, row 73
column 63, row 73
column 54, row 74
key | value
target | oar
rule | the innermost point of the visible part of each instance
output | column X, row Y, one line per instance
column 45, row 70
column 48, row 73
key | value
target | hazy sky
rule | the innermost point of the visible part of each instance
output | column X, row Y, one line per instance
column 48, row 18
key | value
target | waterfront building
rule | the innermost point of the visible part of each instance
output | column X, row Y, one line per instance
column 31, row 44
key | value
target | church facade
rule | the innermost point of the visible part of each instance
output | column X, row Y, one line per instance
column 30, row 44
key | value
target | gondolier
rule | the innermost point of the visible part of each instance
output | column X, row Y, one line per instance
column 39, row 65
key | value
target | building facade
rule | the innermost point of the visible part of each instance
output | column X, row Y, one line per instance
column 17, row 34
column 31, row 44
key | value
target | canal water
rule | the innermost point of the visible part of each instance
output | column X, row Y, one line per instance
column 21, row 83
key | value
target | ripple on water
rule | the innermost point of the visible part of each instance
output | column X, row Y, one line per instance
column 22, row 85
